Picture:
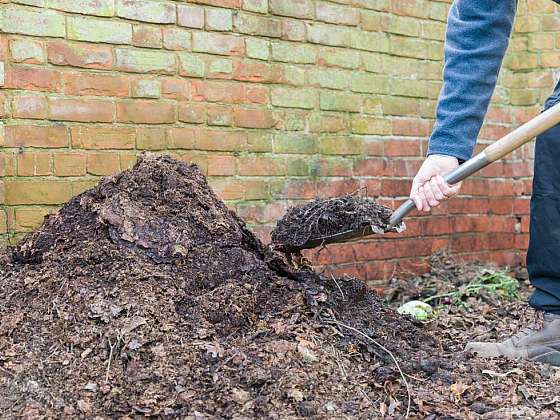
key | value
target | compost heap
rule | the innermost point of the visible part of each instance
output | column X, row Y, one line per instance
column 146, row 296
column 324, row 217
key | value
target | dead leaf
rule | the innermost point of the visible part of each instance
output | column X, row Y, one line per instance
column 503, row 375
column 296, row 395
column 306, row 353
column 458, row 389
column 240, row 396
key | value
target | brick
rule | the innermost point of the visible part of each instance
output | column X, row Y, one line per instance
column 400, row 106
column 99, row 30
column 102, row 163
column 294, row 75
column 219, row 115
column 409, row 47
column 292, row 53
column 410, row 127
column 258, row 25
column 417, row 8
column 146, row 88
column 32, row 22
column 69, row 164
column 370, row 83
column 225, row 141
column 176, row 39
column 339, row 15
column 153, row 11
column 369, row 41
column 192, row 113
column 29, row 106
column 293, row 8
column 221, row 165
column 34, row 164
column 409, row 87
column 257, row 6
column 254, row 118
column 217, row 91
column 81, row 110
column 190, row 16
column 336, row 36
column 86, row 7
column 180, row 138
column 370, row 125
column 340, row 145
column 32, row 78
column 151, row 138
column 79, row 55
column 402, row 148
column 373, row 62
column 255, row 71
column 219, row 67
column 433, row 30
column 257, row 94
column 219, row 20
column 336, row 57
column 370, row 21
column 230, row 4
column 84, row 137
column 28, row 219
column 175, row 88
column 333, row 79
column 339, row 101
column 147, row 36
column 293, row 98
column 258, row 48
column 295, row 143
column 261, row 166
column 95, row 84
column 36, row 136
column 401, row 25
column 293, row 30
column 27, row 51
column 191, row 65
column 145, row 112
column 141, row 61
column 19, row 192
column 327, row 123
column 218, row 43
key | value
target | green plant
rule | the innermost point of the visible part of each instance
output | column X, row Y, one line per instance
column 497, row 282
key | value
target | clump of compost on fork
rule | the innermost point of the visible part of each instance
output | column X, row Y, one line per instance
column 322, row 218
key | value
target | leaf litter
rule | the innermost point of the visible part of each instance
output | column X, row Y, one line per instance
column 146, row 296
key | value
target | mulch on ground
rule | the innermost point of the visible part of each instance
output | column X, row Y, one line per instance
column 146, row 296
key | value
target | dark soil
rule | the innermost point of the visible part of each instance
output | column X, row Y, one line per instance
column 146, row 296
column 325, row 217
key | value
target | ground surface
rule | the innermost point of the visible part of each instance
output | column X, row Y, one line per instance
column 146, row 296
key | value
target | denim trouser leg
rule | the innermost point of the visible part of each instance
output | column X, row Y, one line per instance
column 543, row 257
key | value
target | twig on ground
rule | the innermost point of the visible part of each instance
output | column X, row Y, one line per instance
column 386, row 351
column 337, row 285
column 112, row 348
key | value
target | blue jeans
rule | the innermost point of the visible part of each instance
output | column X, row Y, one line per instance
column 543, row 257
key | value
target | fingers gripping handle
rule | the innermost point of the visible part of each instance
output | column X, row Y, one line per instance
column 457, row 175
column 495, row 151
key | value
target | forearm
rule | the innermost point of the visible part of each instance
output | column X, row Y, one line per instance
column 477, row 37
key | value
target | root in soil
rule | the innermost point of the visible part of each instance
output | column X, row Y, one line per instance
column 146, row 296
column 325, row 217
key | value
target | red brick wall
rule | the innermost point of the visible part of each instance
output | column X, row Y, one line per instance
column 277, row 100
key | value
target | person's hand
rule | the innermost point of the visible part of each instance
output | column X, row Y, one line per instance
column 428, row 186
